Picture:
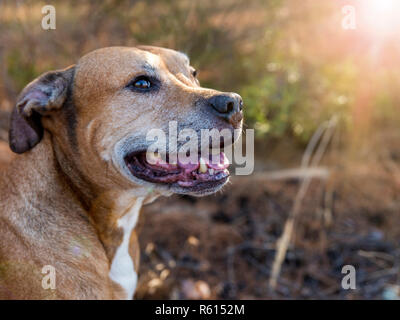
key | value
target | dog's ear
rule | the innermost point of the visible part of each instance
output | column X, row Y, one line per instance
column 46, row 93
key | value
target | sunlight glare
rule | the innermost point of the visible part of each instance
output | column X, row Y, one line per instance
column 382, row 17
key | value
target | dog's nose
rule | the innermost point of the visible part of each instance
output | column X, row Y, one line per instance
column 229, row 106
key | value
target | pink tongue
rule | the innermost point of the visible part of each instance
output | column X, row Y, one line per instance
column 188, row 166
column 221, row 165
column 165, row 165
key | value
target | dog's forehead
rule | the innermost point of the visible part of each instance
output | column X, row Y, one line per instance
column 123, row 60
column 172, row 58
column 112, row 65
column 101, row 71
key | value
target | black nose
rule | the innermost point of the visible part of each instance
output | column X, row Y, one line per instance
column 227, row 105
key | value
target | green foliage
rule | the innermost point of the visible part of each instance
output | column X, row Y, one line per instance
column 20, row 69
column 290, row 60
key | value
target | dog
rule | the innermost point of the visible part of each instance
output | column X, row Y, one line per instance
column 70, row 198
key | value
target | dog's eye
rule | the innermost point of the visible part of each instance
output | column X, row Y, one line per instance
column 194, row 73
column 142, row 83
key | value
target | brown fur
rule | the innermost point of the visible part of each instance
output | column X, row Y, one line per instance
column 5, row 155
column 66, row 192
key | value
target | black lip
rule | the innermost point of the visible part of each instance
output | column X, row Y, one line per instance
column 200, row 189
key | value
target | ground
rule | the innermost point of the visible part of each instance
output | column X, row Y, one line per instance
column 223, row 246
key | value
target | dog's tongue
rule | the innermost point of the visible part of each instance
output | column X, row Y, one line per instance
column 189, row 166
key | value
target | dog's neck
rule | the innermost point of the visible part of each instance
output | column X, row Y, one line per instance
column 113, row 213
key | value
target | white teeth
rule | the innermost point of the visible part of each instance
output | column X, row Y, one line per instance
column 153, row 157
column 215, row 151
column 211, row 171
column 203, row 166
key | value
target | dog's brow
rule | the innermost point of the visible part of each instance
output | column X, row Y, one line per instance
column 149, row 68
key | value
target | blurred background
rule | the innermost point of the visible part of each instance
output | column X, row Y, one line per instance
column 322, row 93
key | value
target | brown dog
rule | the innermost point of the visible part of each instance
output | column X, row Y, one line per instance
column 71, row 199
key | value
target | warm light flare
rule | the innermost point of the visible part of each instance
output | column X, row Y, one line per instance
column 381, row 17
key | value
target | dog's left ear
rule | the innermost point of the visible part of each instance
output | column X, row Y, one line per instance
column 43, row 95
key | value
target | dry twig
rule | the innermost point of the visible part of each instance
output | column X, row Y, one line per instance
column 324, row 134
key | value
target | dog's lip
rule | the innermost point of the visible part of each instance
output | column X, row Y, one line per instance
column 203, row 188
column 180, row 178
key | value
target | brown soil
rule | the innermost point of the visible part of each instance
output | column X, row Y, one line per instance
column 223, row 246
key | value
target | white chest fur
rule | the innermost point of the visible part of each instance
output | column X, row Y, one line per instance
column 122, row 269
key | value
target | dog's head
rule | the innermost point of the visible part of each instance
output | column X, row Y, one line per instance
column 100, row 112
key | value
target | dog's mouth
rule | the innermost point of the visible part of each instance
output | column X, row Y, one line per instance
column 195, row 174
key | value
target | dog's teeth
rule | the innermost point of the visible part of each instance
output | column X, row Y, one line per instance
column 153, row 157
column 211, row 171
column 215, row 151
column 157, row 155
column 203, row 166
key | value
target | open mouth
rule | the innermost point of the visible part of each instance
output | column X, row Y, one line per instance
column 198, row 173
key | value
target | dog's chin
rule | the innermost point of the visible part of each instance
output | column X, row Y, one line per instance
column 200, row 178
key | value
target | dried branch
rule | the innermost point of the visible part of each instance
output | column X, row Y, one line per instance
column 323, row 133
